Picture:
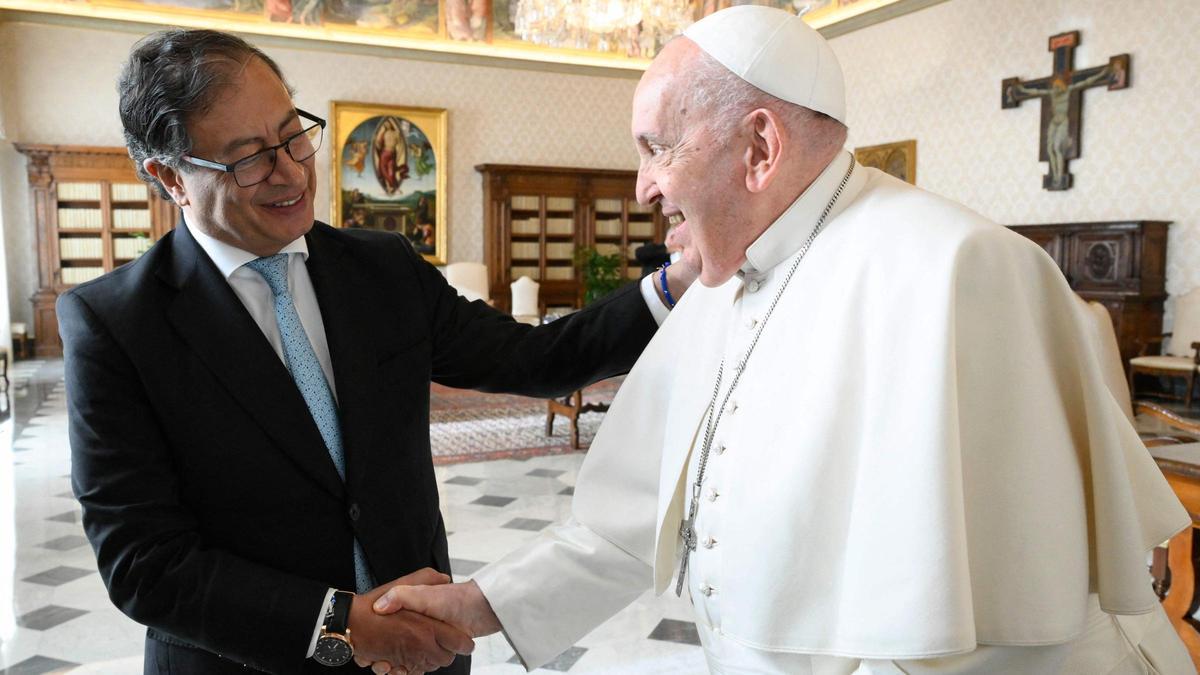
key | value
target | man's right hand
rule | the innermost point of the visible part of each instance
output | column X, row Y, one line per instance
column 462, row 605
column 405, row 639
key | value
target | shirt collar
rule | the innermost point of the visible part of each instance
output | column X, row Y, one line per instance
column 787, row 234
column 229, row 258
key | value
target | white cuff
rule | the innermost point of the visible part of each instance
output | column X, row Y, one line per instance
column 657, row 308
column 312, row 644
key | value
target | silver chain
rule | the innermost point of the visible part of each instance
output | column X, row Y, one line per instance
column 713, row 413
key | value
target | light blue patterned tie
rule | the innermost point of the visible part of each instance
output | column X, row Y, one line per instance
column 306, row 370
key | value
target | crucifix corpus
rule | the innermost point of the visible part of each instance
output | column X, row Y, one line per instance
column 1062, row 105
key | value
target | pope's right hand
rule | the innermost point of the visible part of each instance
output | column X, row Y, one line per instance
column 461, row 605
column 410, row 641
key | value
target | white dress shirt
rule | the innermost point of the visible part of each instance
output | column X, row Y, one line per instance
column 254, row 292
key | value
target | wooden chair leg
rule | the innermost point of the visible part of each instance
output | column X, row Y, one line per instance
column 1191, row 381
column 1132, row 379
column 577, row 402
column 1181, row 595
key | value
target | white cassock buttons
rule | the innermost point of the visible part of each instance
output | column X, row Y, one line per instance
column 707, row 590
column 710, row 542
column 753, row 286
column 713, row 494
column 751, row 323
column 731, row 408
column 720, row 448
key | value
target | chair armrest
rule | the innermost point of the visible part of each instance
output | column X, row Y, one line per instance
column 1145, row 350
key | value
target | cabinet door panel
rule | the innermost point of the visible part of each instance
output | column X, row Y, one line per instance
column 1102, row 260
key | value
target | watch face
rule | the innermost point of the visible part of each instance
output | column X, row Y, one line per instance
column 333, row 651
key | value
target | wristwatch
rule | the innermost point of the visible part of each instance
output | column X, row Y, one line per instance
column 333, row 646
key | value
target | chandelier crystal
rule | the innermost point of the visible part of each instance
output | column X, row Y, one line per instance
column 634, row 27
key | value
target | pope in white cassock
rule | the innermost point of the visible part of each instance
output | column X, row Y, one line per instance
column 874, row 439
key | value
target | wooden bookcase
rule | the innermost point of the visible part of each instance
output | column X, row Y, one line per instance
column 1122, row 265
column 537, row 217
column 91, row 215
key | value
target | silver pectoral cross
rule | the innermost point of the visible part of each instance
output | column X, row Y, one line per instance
column 687, row 531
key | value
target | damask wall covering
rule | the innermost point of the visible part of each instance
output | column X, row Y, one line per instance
column 933, row 75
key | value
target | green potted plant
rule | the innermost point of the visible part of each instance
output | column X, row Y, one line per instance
column 601, row 273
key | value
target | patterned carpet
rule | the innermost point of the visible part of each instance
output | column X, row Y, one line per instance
column 469, row 426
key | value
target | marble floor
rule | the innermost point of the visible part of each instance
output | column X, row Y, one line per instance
column 55, row 616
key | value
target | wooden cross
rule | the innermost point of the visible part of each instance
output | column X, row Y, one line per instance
column 1062, row 106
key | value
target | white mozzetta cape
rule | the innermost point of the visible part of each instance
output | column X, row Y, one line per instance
column 926, row 456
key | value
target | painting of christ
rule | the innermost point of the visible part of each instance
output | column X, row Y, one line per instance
column 389, row 174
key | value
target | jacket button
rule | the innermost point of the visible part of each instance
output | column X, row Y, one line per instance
column 354, row 512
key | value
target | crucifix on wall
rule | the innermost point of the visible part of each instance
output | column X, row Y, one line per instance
column 1062, row 103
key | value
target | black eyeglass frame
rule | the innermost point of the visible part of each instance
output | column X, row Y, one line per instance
column 232, row 167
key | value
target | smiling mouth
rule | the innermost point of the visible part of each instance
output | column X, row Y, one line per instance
column 288, row 202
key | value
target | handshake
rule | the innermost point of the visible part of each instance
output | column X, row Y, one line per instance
column 418, row 623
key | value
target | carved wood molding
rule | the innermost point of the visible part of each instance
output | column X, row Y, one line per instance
column 47, row 158
column 38, row 167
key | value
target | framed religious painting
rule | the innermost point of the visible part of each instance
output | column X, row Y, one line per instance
column 389, row 172
column 898, row 159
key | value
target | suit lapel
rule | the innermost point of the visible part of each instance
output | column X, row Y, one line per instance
column 215, row 325
column 340, row 293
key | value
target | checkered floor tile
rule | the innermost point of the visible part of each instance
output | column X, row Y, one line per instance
column 66, row 623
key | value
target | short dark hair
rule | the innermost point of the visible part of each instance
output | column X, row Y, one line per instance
column 171, row 76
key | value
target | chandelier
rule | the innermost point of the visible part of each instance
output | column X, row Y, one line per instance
column 635, row 27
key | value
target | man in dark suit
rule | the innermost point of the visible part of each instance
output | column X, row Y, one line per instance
column 249, row 401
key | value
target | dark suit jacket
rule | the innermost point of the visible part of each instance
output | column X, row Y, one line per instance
column 216, row 514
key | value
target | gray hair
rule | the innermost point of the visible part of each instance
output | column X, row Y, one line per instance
column 171, row 76
column 723, row 99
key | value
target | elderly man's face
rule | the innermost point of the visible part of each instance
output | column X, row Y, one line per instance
column 684, row 166
column 253, row 113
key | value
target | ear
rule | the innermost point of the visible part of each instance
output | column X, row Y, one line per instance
column 169, row 178
column 764, row 153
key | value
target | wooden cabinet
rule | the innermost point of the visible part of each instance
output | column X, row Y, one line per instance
column 1121, row 265
column 92, row 215
column 536, row 218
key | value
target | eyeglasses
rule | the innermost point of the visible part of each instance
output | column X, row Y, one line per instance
column 254, row 169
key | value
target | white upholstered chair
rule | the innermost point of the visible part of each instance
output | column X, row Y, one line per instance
column 1104, row 341
column 470, row 279
column 1179, row 355
column 525, row 301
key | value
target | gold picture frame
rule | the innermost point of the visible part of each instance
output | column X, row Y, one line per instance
column 389, row 172
column 898, row 159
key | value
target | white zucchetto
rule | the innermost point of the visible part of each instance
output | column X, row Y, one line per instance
column 777, row 52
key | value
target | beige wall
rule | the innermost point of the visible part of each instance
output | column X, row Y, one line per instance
column 59, row 82
column 934, row 75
